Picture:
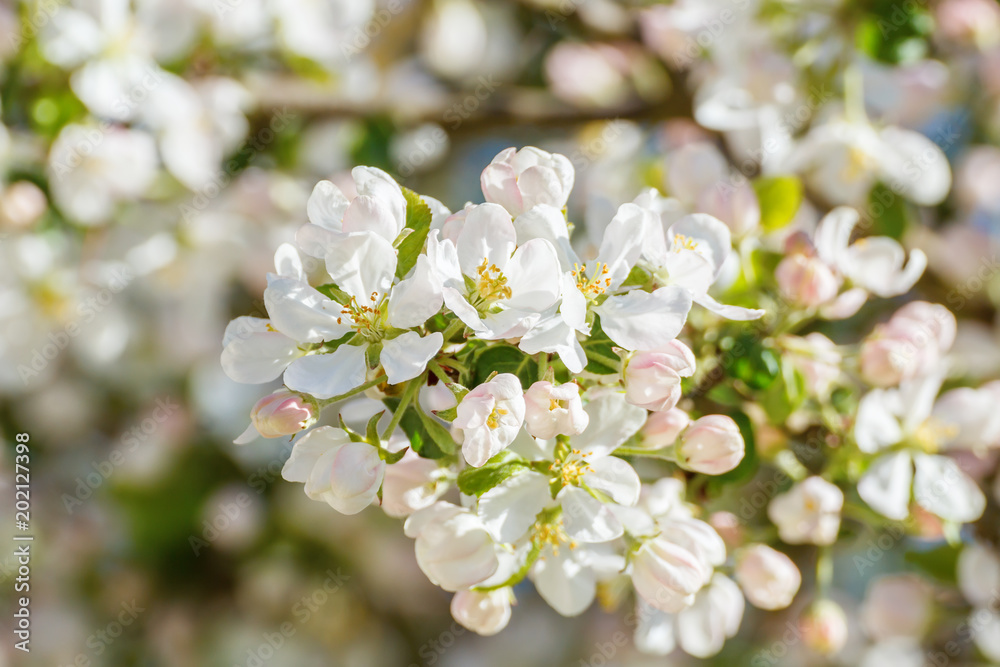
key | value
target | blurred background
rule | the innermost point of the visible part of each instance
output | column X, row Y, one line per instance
column 154, row 153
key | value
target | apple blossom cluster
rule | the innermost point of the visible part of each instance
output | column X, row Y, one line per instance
column 574, row 416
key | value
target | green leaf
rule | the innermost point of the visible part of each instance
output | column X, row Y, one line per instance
column 638, row 276
column 437, row 432
column 420, row 440
column 753, row 363
column 940, row 562
column 447, row 415
column 785, row 394
column 392, row 457
column 418, row 220
column 503, row 466
column 780, row 198
column 599, row 345
column 354, row 437
column 371, row 432
column 504, row 359
column 888, row 211
column 331, row 291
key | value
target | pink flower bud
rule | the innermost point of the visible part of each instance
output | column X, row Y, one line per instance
column 484, row 613
column 711, row 445
column 552, row 410
column 653, row 379
column 282, row 413
column 824, row 627
column 662, row 428
column 521, row 180
column 806, row 281
column 667, row 575
column 768, row 577
column 912, row 343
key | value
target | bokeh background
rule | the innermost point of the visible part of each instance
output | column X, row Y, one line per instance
column 154, row 153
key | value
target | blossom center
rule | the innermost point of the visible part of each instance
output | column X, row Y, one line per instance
column 491, row 283
column 368, row 318
column 595, row 285
column 572, row 469
column 682, row 242
column 551, row 534
column 859, row 163
column 493, row 421
column 932, row 433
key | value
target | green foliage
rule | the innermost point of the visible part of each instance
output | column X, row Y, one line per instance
column 785, row 394
column 418, row 222
column 437, row 432
column 504, row 359
column 780, row 198
column 893, row 32
column 421, row 439
column 752, row 362
column 940, row 562
column 331, row 291
column 888, row 212
column 596, row 347
column 503, row 466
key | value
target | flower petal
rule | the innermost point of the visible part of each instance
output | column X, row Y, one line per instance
column 565, row 584
column 509, row 509
column 645, row 321
column 362, row 264
column 259, row 357
column 417, row 298
column 488, row 233
column 405, row 357
column 614, row 477
column 328, row 375
column 587, row 519
column 736, row 313
column 302, row 313
column 886, row 485
column 326, row 206
column 533, row 276
column 613, row 420
column 940, row 487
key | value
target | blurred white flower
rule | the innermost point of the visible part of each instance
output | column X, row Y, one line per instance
column 841, row 161
column 768, row 577
column 911, row 344
column 711, row 445
column 700, row 630
column 93, row 168
column 888, row 417
column 899, row 605
column 808, row 513
column 484, row 613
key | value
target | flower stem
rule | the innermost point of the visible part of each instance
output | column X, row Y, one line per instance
column 607, row 361
column 435, row 368
column 453, row 328
column 412, row 387
column 357, row 390
column 543, row 365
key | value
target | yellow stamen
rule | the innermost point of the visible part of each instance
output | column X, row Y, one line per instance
column 492, row 283
column 682, row 242
column 595, row 285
